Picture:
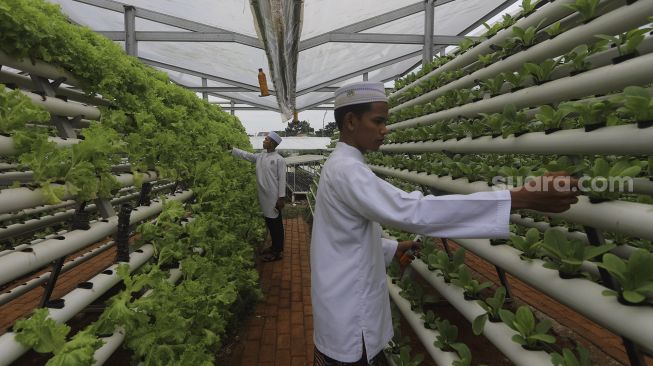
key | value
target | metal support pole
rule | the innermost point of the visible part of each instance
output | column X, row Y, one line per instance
column 447, row 250
column 56, row 270
column 428, row 31
column 504, row 282
column 131, row 46
column 122, row 235
column 595, row 238
column 205, row 95
column 365, row 76
column 233, row 108
column 144, row 198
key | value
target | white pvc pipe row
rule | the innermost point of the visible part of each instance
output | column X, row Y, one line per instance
column 60, row 107
column 19, row 290
column 39, row 68
column 584, row 296
column 426, row 336
column 637, row 71
column 112, row 342
column 606, row 140
column 15, row 199
column 630, row 218
column 25, row 82
column 7, row 147
column 15, row 265
column 498, row 333
column 75, row 301
column 550, row 12
column 623, row 251
column 614, row 22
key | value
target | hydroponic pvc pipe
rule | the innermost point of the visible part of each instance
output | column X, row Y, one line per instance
column 112, row 342
column 584, row 296
column 60, row 107
column 17, row 291
column 607, row 140
column 15, row 199
column 623, row 251
column 629, row 218
column 7, row 147
column 17, row 264
column 75, row 301
column 637, row 71
column 39, row 68
column 110, row 346
column 498, row 333
column 614, row 22
column 25, row 82
column 550, row 13
column 426, row 336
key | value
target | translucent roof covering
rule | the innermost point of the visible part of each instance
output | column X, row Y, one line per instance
column 331, row 48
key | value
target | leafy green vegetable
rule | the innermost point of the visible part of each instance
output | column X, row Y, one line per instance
column 471, row 286
column 531, row 333
column 586, row 8
column 528, row 245
column 634, row 275
column 492, row 306
column 568, row 358
column 41, row 332
column 569, row 255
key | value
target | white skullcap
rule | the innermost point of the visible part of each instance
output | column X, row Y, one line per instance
column 273, row 135
column 359, row 93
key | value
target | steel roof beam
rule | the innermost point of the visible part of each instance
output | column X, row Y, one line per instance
column 360, row 72
column 174, row 21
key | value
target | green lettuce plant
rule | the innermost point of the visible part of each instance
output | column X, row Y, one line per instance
column 635, row 275
column 586, row 8
column 568, row 255
column 568, row 358
column 492, row 306
column 531, row 333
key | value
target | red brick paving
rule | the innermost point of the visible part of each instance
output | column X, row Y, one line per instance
column 280, row 332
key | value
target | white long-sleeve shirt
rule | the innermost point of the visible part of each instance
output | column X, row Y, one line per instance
column 348, row 256
column 270, row 178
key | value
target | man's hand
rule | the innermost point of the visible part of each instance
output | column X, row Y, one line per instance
column 403, row 247
column 281, row 202
column 552, row 192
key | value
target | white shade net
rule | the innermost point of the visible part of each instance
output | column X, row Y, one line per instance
column 320, row 68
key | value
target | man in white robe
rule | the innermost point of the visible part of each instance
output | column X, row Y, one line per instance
column 271, row 189
column 351, row 306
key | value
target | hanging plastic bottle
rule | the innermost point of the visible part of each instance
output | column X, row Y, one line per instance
column 263, row 83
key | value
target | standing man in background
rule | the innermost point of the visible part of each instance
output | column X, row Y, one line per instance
column 271, row 187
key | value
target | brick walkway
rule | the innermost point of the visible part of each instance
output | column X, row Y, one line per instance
column 281, row 330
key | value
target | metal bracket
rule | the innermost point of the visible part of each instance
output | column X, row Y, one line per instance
column 504, row 282
column 56, row 270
